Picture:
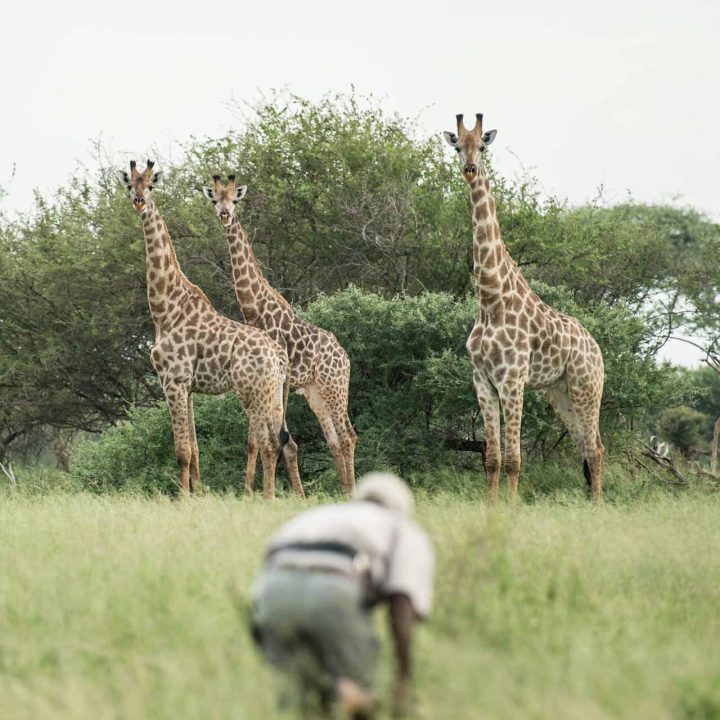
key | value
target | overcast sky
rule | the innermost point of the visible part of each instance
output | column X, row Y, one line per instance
column 621, row 94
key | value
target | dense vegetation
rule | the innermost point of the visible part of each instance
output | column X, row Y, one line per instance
column 365, row 227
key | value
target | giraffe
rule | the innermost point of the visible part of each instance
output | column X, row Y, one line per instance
column 518, row 341
column 196, row 349
column 319, row 365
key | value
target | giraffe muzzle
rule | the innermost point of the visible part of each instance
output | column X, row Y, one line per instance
column 470, row 169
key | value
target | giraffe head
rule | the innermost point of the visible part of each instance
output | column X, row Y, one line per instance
column 225, row 198
column 470, row 145
column 139, row 184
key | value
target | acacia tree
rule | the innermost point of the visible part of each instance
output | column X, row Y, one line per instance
column 340, row 192
column 73, row 346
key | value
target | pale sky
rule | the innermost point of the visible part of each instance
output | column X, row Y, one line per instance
column 621, row 94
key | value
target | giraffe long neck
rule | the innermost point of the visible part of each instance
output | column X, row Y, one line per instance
column 167, row 286
column 254, row 294
column 491, row 262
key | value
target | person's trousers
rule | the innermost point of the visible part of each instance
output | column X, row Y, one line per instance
column 314, row 624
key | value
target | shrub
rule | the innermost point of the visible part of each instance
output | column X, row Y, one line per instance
column 411, row 397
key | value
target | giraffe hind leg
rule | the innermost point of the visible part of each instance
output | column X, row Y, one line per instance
column 351, row 442
column 333, row 389
column 288, row 447
column 585, row 391
column 583, row 428
column 290, row 459
column 322, row 412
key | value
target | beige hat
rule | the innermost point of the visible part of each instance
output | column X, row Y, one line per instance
column 387, row 490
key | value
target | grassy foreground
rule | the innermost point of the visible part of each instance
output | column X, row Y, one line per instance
column 123, row 607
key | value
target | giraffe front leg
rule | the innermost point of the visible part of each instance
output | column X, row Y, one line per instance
column 511, row 396
column 195, row 481
column 176, row 396
column 290, row 458
column 490, row 408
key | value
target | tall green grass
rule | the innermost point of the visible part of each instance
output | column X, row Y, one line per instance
column 125, row 606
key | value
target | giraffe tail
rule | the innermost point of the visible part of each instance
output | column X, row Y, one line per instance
column 586, row 473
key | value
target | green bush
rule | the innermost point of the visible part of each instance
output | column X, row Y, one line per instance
column 138, row 453
column 411, row 398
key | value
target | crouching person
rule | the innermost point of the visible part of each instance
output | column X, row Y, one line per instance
column 324, row 573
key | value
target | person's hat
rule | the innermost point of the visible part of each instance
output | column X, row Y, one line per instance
column 387, row 490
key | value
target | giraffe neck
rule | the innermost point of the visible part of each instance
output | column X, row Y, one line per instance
column 254, row 294
column 491, row 261
column 167, row 286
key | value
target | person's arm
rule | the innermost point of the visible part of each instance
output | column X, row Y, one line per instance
column 402, row 620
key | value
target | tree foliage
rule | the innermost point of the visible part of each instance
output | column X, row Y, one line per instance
column 684, row 427
column 341, row 194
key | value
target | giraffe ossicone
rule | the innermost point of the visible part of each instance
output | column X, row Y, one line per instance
column 319, row 365
column 196, row 349
column 518, row 341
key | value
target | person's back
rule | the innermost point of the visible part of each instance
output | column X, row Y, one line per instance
column 324, row 572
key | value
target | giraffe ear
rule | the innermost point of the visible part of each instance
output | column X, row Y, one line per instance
column 451, row 137
column 240, row 192
column 123, row 178
column 208, row 192
column 489, row 136
column 157, row 177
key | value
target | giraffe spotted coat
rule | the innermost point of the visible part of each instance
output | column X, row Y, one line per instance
column 518, row 341
column 196, row 349
column 319, row 365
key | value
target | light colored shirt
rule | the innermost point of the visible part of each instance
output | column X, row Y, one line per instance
column 401, row 558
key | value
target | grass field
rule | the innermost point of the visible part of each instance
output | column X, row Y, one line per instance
column 127, row 607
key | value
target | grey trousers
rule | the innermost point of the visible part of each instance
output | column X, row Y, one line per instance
column 314, row 625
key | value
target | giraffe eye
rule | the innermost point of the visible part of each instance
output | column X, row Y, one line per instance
column 214, row 202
